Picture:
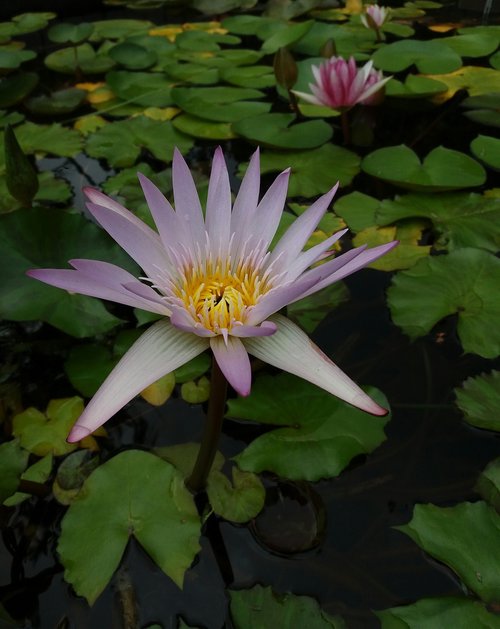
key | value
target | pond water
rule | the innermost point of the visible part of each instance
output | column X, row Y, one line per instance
column 331, row 536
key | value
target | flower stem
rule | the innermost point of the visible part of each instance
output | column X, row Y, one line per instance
column 211, row 432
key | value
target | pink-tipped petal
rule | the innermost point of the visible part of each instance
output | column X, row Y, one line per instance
column 218, row 213
column 160, row 350
column 163, row 213
column 233, row 360
column 245, row 204
column 270, row 209
column 187, row 201
column 312, row 255
column 291, row 349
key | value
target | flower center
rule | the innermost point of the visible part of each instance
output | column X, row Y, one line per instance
column 217, row 296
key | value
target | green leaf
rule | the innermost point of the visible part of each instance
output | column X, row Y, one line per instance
column 83, row 57
column 218, row 7
column 487, row 149
column 286, row 36
column 134, row 493
column 313, row 172
column 478, row 44
column 16, row 87
column 31, row 22
column 64, row 33
column 430, row 57
column 11, row 59
column 193, row 369
column 256, row 76
column 309, row 312
column 120, row 28
column 358, row 210
column 442, row 169
column 203, row 129
column 38, row 472
column 87, row 366
column 13, row 460
column 463, row 282
column 475, row 79
column 436, row 613
column 21, row 177
column 261, row 27
column 488, row 484
column 183, row 457
column 54, row 139
column 479, row 400
column 349, row 40
column 484, row 109
column 51, row 190
column 196, row 392
column 60, row 102
column 150, row 89
column 278, row 130
column 133, row 56
column 466, row 538
column 320, row 433
column 27, row 241
column 192, row 73
column 45, row 433
column 458, row 219
column 221, row 104
column 263, row 608
column 120, row 143
column 414, row 87
column 237, row 502
column 158, row 392
column 71, row 474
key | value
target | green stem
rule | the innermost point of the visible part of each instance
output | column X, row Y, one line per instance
column 211, row 432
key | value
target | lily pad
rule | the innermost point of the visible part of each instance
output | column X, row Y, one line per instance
column 435, row 613
column 463, row 282
column 442, row 169
column 193, row 369
column 261, row 26
column 51, row 190
column 239, row 501
column 65, row 33
column 158, row 392
column 133, row 56
column 71, row 474
column 13, row 460
column 278, row 130
column 38, row 473
column 16, row 87
column 310, row 311
column 120, row 143
column 414, row 86
column 150, row 89
column 87, row 367
column 313, row 172
column 458, row 219
column 205, row 129
column 26, row 23
column 11, row 59
column 134, row 493
column 479, row 400
column 119, row 29
column 483, row 109
column 430, row 57
column 256, row 76
column 46, row 433
column 53, row 139
column 263, row 608
column 192, row 73
column 475, row 79
column 286, row 36
column 319, row 436
column 487, row 149
column 83, row 57
column 60, row 102
column 27, row 241
column 196, row 392
column 477, row 44
column 466, row 538
column 349, row 40
column 221, row 104
column 488, row 484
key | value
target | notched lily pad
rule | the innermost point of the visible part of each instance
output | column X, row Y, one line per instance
column 60, row 102
column 13, row 460
column 479, row 400
column 83, row 57
column 319, row 436
column 430, row 57
column 487, row 149
column 220, row 104
column 465, row 283
column 239, row 501
column 488, row 484
column 134, row 493
column 15, row 88
column 38, row 473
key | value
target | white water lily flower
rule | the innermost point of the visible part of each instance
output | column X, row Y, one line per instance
column 215, row 282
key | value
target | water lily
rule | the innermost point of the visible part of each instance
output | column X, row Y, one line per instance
column 375, row 16
column 341, row 85
column 216, row 284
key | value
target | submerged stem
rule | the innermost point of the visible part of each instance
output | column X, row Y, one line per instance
column 211, row 432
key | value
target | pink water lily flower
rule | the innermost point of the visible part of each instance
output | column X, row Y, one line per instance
column 215, row 282
column 341, row 85
column 375, row 16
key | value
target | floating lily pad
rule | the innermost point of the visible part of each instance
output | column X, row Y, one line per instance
column 60, row 102
column 260, row 26
column 262, row 607
column 434, row 613
column 196, row 392
column 13, row 460
column 134, row 493
column 475, row 79
column 463, row 282
column 71, row 474
column 83, row 57
column 15, row 88
column 398, row 29
column 221, row 104
column 252, row 76
column 430, row 57
column 414, row 86
column 487, row 149
column 483, row 109
column 158, row 392
column 286, row 36
column 193, row 369
column 206, row 129
column 348, row 40
column 54, row 139
column 38, row 473
column 358, row 210
column 133, row 56
column 472, row 44
column 406, row 254
column 218, row 7
column 442, row 169
column 50, row 190
column 26, row 23
column 46, row 433
column 11, row 59
column 120, row 143
column 466, row 538
column 488, row 484
column 11, row 118
column 310, row 311
column 239, row 501
column 458, row 219
column 149, row 89
column 313, row 172
column 120, row 28
column 87, row 367
column 479, row 400
column 23, row 298
column 320, row 434
column 192, row 73
column 64, row 33
column 278, row 130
